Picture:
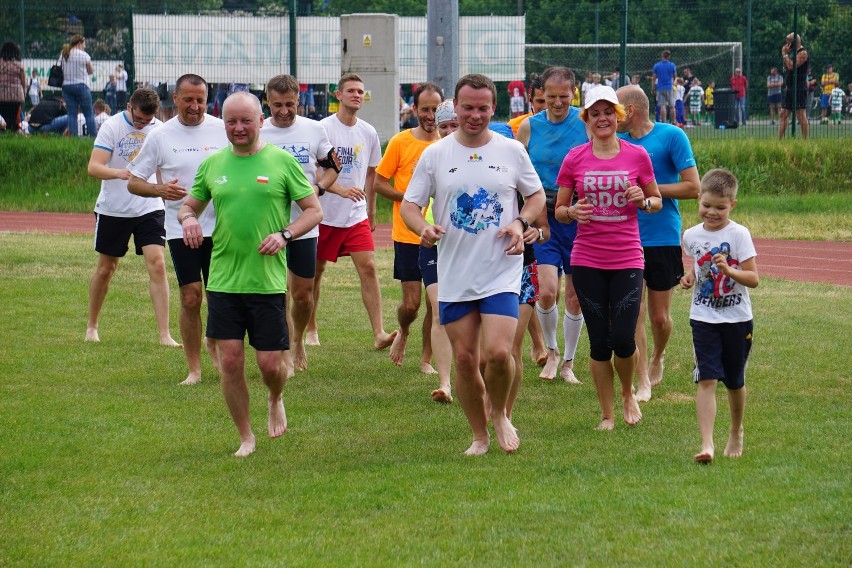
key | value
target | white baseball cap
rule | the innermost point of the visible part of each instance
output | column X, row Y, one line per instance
column 445, row 112
column 601, row 93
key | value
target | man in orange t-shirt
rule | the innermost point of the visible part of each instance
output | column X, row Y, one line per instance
column 398, row 163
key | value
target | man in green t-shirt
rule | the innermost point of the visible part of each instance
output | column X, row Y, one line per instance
column 252, row 185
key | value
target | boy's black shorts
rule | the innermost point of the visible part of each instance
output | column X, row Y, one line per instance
column 721, row 351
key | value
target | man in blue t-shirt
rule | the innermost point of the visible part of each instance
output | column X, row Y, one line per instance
column 677, row 177
column 664, row 75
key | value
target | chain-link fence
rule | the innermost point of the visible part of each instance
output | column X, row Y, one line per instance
column 157, row 41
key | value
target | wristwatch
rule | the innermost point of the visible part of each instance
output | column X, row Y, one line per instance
column 288, row 236
column 320, row 189
column 648, row 204
column 524, row 222
column 540, row 234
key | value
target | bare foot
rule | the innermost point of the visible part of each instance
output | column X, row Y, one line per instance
column 384, row 340
column 397, row 350
column 300, row 357
column 92, row 334
column 246, row 448
column 277, row 419
column 167, row 341
column 655, row 371
column 632, row 414
column 478, row 447
column 192, row 378
column 427, row 368
column 441, row 395
column 540, row 357
column 312, row 338
column 643, row 390
column 506, row 434
column 568, row 375
column 213, row 350
column 705, row 456
column 549, row 371
column 606, row 424
column 734, row 449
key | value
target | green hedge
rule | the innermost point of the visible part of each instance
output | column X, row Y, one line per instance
column 48, row 173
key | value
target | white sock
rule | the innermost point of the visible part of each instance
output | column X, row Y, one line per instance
column 548, row 318
column 571, row 326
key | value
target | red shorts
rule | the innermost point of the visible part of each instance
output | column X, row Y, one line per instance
column 335, row 242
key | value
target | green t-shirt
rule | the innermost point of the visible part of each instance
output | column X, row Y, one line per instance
column 252, row 196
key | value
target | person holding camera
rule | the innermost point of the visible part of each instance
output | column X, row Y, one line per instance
column 796, row 64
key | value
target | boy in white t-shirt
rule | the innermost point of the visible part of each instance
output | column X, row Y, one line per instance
column 835, row 100
column 721, row 317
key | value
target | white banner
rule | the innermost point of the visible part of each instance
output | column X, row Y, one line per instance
column 247, row 49
column 102, row 69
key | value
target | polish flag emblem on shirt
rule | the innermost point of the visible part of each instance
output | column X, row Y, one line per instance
column 262, row 179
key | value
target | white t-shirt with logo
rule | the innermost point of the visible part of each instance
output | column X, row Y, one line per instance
column 716, row 298
column 123, row 140
column 358, row 148
column 307, row 140
column 177, row 150
column 475, row 195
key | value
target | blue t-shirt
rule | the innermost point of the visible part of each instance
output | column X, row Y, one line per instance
column 549, row 143
column 665, row 71
column 670, row 153
column 502, row 128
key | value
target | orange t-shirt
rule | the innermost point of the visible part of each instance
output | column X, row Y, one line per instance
column 515, row 123
column 398, row 163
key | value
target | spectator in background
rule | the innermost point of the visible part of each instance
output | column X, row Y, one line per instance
column 662, row 83
column 614, row 80
column 49, row 116
column 774, row 83
column 306, row 99
column 102, row 112
column 76, row 69
column 120, row 89
column 535, row 95
column 829, row 80
column 518, row 85
column 34, row 88
column 708, row 100
column 110, row 94
column 796, row 62
column 739, row 83
column 694, row 96
column 13, row 84
column 688, row 78
column 516, row 101
column 680, row 93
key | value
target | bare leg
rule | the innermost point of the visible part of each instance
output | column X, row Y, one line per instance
column 782, row 122
column 232, row 359
column 625, row 368
column 572, row 325
column 470, row 387
column 426, row 358
column 158, row 289
column 524, row 316
column 643, row 381
column 803, row 121
column 547, row 310
column 498, row 333
column 603, row 375
column 538, row 352
column 213, row 349
column 406, row 313
column 736, row 399
column 371, row 295
column 274, row 376
column 311, row 331
column 301, row 296
column 98, row 288
column 191, row 296
column 441, row 349
column 659, row 312
column 705, row 408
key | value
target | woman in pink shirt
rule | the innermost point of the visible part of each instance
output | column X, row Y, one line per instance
column 612, row 179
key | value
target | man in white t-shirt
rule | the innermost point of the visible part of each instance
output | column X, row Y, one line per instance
column 349, row 209
column 120, row 214
column 307, row 140
column 120, row 87
column 474, row 177
column 173, row 153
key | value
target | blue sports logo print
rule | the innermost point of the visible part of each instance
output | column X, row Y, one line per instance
column 475, row 213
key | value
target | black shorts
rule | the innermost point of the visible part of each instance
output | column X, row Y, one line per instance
column 663, row 267
column 263, row 316
column 721, row 351
column 801, row 99
column 112, row 234
column 191, row 265
column 302, row 257
column 428, row 262
column 406, row 262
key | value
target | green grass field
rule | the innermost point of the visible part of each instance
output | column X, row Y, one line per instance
column 106, row 461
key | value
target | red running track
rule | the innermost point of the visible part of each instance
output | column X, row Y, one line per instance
column 805, row 261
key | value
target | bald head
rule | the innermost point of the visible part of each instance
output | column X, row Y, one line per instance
column 634, row 95
column 242, row 98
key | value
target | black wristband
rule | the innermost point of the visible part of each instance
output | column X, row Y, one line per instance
column 321, row 189
column 524, row 222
